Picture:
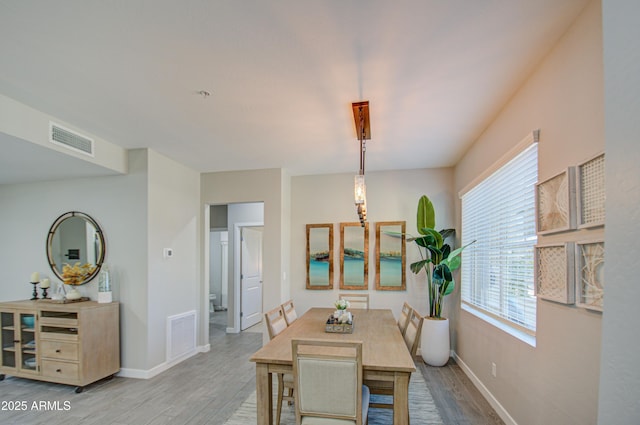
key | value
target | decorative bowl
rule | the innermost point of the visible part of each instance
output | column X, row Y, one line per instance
column 30, row 363
column 28, row 321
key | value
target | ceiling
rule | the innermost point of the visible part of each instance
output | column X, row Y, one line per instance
column 281, row 76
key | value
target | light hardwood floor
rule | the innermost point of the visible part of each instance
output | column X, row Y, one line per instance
column 205, row 389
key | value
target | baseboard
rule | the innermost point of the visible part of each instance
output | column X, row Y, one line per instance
column 157, row 370
column 204, row 348
column 500, row 410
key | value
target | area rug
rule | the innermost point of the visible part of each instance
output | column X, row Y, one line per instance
column 422, row 409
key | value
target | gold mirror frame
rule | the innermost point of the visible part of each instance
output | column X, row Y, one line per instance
column 81, row 275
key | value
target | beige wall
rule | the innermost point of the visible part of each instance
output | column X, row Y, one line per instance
column 557, row 381
column 251, row 186
column 391, row 196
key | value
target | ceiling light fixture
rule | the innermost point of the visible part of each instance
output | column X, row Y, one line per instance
column 363, row 131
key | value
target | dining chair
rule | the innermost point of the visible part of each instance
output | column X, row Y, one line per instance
column 403, row 320
column 411, row 336
column 413, row 331
column 356, row 300
column 289, row 310
column 328, row 382
column 276, row 323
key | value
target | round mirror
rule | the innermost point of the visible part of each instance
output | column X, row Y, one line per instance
column 75, row 248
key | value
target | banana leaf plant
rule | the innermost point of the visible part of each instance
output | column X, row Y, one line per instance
column 437, row 258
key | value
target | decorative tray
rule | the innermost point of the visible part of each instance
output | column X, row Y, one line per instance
column 65, row 301
column 334, row 326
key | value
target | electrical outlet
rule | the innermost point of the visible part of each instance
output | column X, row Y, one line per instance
column 494, row 369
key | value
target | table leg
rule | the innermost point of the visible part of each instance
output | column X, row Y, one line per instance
column 401, row 398
column 264, row 396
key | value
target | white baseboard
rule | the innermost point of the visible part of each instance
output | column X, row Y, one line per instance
column 500, row 410
column 157, row 370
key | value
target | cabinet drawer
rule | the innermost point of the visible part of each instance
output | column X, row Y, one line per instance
column 55, row 369
column 59, row 350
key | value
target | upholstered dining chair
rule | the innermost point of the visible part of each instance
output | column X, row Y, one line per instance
column 276, row 323
column 403, row 320
column 328, row 382
column 289, row 310
column 356, row 300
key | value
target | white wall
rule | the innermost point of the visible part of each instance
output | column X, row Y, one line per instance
column 620, row 374
column 173, row 222
column 391, row 196
column 557, row 381
column 118, row 204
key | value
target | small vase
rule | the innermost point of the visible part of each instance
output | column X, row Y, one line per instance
column 434, row 342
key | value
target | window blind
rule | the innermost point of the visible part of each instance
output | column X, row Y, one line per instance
column 498, row 270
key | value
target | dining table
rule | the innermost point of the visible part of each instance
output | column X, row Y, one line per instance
column 385, row 356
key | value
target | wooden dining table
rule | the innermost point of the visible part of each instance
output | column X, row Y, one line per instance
column 385, row 356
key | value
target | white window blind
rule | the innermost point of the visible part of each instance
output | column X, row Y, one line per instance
column 497, row 271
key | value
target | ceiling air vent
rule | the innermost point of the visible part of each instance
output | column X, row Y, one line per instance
column 70, row 139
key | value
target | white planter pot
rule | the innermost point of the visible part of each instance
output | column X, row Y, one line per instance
column 434, row 341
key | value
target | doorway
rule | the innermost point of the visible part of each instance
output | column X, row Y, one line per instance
column 226, row 291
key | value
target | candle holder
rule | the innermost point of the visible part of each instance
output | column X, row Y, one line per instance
column 44, row 294
column 35, row 291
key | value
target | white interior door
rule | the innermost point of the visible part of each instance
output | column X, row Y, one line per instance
column 251, row 277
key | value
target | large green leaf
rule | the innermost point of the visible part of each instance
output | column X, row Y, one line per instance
column 426, row 214
column 447, row 232
column 454, row 263
column 450, row 287
column 419, row 265
column 442, row 272
column 436, row 236
column 426, row 240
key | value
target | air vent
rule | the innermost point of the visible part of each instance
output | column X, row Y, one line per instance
column 70, row 139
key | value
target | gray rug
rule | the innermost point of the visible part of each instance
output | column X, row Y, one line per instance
column 422, row 409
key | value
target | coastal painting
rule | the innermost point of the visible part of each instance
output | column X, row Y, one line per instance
column 319, row 256
column 354, row 256
column 391, row 256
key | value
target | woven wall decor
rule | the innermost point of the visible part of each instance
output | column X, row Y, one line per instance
column 554, row 203
column 554, row 272
column 590, row 274
column 590, row 192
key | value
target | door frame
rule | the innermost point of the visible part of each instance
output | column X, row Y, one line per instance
column 237, row 250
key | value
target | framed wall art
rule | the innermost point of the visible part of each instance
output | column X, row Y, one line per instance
column 554, row 272
column 319, row 256
column 354, row 256
column 391, row 256
column 590, row 192
column 555, row 198
column 590, row 274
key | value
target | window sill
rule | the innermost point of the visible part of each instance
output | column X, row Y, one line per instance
column 516, row 333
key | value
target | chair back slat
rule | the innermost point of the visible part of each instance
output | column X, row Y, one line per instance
column 275, row 322
column 413, row 331
column 403, row 320
column 356, row 300
column 289, row 310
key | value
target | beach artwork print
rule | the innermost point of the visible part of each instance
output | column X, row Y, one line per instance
column 319, row 256
column 354, row 256
column 390, row 256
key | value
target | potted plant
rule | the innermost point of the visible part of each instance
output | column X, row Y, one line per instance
column 438, row 261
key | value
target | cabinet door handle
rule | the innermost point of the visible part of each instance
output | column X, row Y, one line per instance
column 58, row 350
column 58, row 370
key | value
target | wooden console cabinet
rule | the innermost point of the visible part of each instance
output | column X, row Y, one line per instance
column 74, row 344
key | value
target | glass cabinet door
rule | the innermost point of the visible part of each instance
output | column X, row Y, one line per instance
column 8, row 338
column 27, row 344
